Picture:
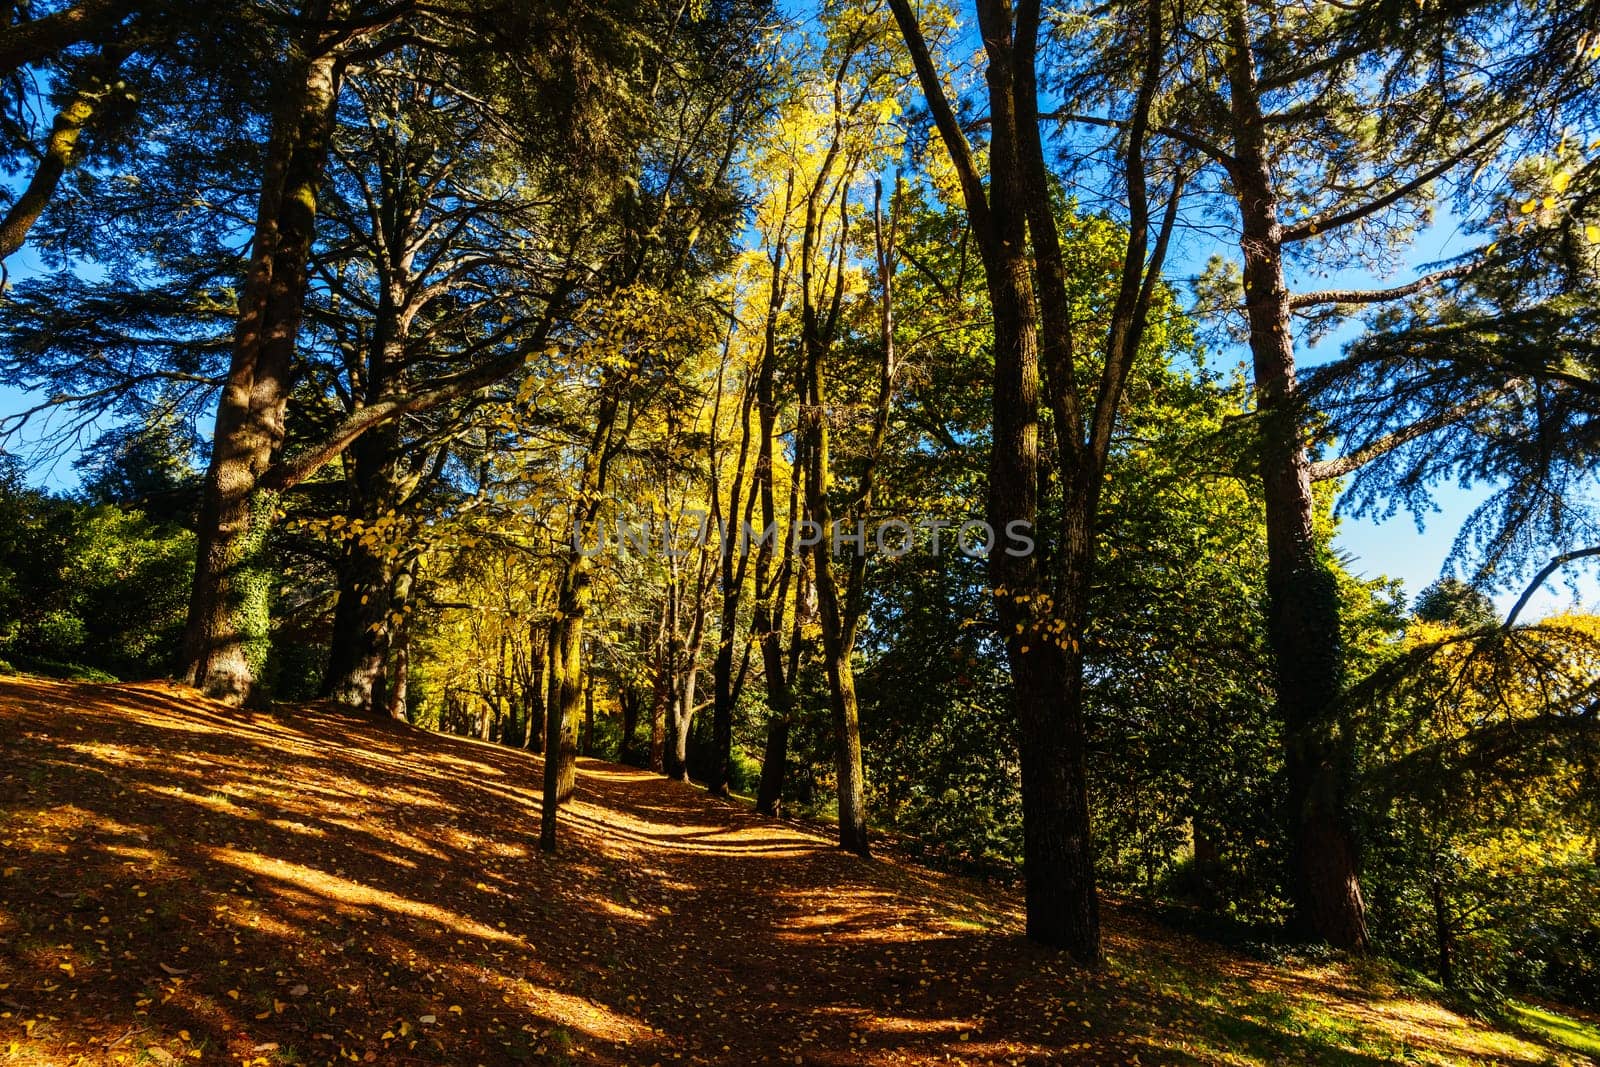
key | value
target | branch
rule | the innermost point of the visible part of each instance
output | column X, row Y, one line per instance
column 944, row 116
column 1379, row 296
column 1539, row 579
column 1338, row 468
column 14, row 422
column 288, row 473
column 1133, row 300
column 40, row 39
column 1324, row 222
column 61, row 151
column 1199, row 144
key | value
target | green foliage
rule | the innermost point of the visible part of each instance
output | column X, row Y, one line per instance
column 937, row 726
column 1454, row 602
column 88, row 590
column 1479, row 790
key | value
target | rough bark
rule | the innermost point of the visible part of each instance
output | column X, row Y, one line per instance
column 60, row 151
column 563, row 750
column 629, row 700
column 533, row 688
column 659, row 697
column 359, row 642
column 398, row 692
column 774, row 765
column 1303, row 605
column 225, row 642
column 565, row 696
column 586, row 744
column 687, row 684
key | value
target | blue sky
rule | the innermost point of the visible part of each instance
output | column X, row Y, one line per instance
column 1397, row 547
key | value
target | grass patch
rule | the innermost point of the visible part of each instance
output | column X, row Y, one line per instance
column 1555, row 1028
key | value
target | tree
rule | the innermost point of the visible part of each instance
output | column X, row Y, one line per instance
column 1042, row 599
column 1478, row 786
column 1499, row 367
column 1330, row 132
column 87, row 588
column 226, row 609
column 423, row 269
column 1453, row 602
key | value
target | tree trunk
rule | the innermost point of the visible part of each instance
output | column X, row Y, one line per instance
column 359, row 644
column 402, row 675
column 683, row 721
column 553, row 665
column 630, row 702
column 1302, row 596
column 732, row 575
column 1058, row 860
column 566, row 696
column 586, row 746
column 818, row 328
column 1042, row 610
column 225, row 640
column 533, row 690
column 659, row 706
column 847, row 754
column 1442, row 933
column 572, row 690
column 771, row 599
column 774, row 766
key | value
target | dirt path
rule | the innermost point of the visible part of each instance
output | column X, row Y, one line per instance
column 185, row 883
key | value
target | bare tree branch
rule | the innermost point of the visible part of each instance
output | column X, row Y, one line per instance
column 1379, row 296
column 1338, row 468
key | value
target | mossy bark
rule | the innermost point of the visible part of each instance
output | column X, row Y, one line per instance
column 60, row 149
column 1302, row 594
column 227, row 620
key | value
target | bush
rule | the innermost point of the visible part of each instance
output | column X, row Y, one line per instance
column 89, row 590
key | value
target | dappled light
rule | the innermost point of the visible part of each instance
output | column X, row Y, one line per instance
column 306, row 888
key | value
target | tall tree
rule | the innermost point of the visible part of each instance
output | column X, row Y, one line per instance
column 1042, row 598
column 1330, row 131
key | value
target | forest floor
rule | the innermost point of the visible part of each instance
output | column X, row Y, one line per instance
column 184, row 883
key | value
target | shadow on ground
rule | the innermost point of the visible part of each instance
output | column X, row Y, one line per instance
column 187, row 883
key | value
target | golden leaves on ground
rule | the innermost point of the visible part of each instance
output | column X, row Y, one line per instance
column 163, row 907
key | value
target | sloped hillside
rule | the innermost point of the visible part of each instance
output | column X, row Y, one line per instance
column 187, row 883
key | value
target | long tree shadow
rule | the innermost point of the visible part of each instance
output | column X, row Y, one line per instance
column 188, row 882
